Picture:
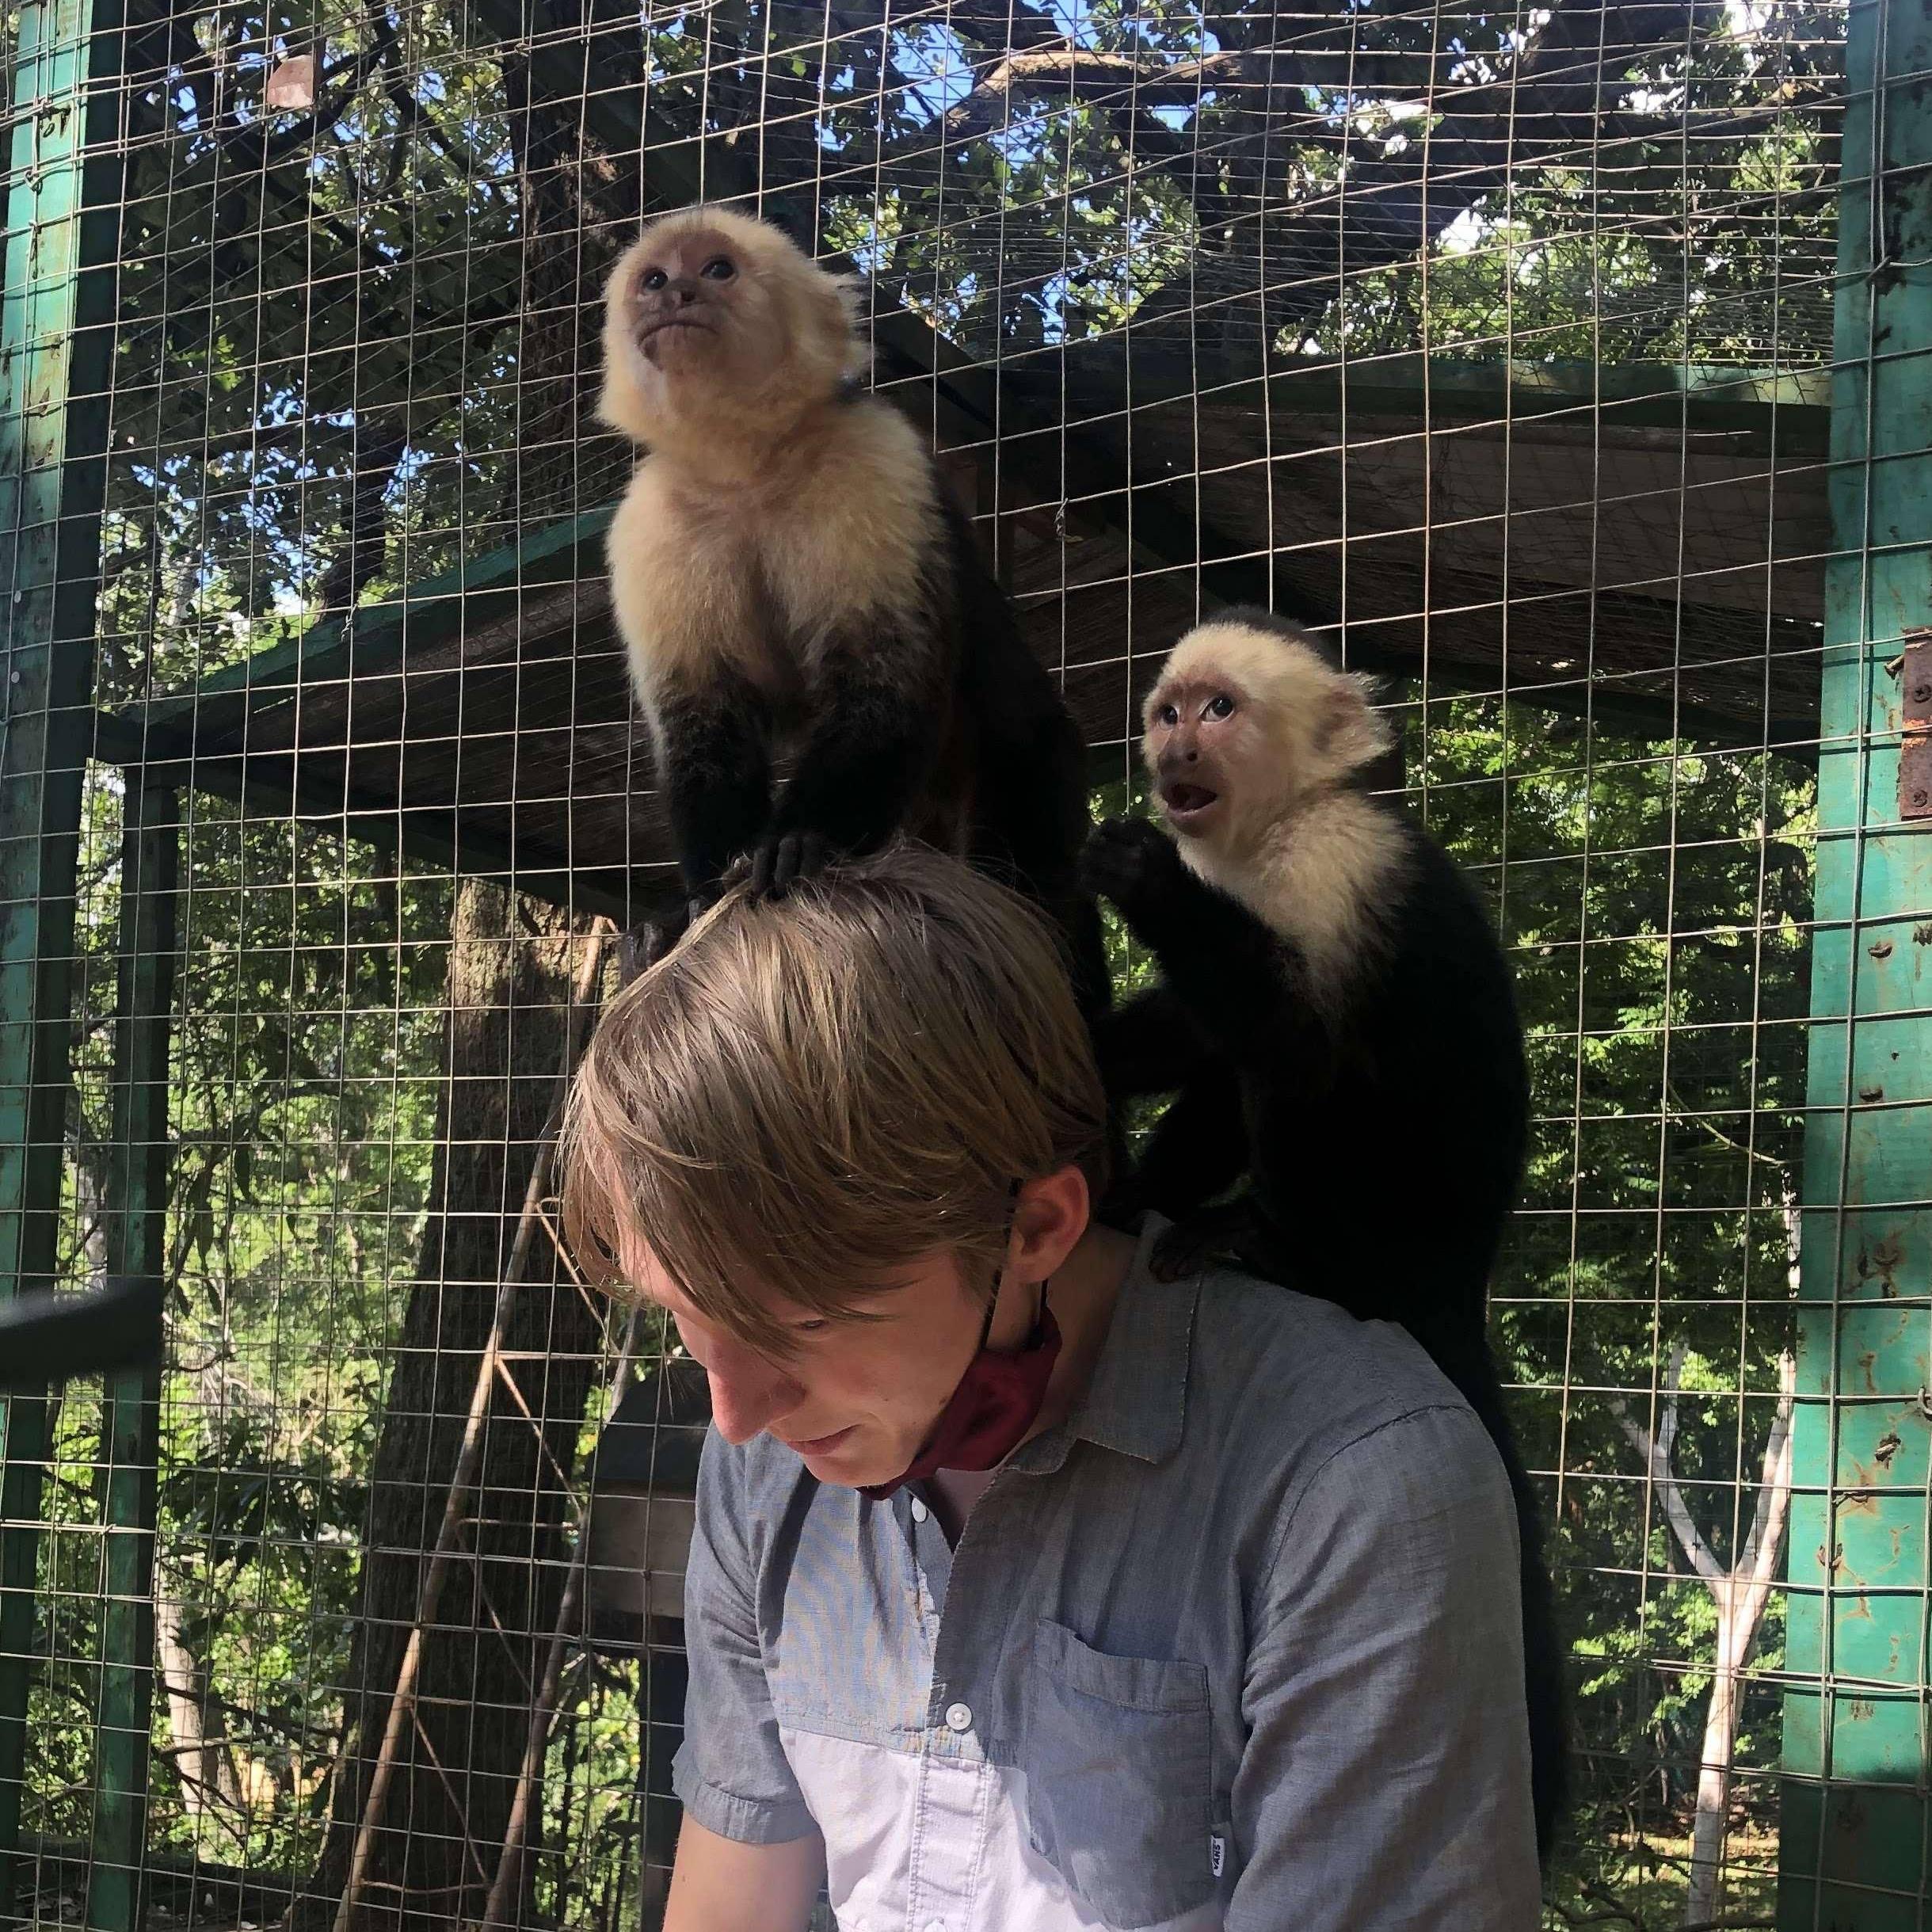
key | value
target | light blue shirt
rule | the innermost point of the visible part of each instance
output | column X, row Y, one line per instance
column 1237, row 1645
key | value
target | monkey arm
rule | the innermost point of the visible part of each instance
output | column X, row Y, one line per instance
column 1227, row 972
column 1245, row 988
column 1243, row 985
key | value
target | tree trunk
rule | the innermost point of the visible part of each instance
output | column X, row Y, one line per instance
column 1707, row 1839
column 209, row 1790
column 440, row 1829
column 1739, row 1592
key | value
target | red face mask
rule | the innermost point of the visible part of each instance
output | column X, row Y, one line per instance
column 991, row 1409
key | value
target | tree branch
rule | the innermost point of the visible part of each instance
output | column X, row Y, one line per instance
column 1656, row 1451
column 1767, row 1528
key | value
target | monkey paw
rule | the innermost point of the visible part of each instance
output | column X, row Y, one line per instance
column 654, row 936
column 1189, row 1247
column 1132, row 862
column 780, row 861
column 1235, row 1235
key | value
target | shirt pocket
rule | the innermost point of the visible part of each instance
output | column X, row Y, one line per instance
column 1119, row 1777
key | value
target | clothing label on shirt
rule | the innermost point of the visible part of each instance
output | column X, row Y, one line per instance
column 1217, row 1855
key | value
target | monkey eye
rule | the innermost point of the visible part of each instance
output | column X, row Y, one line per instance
column 718, row 268
column 1167, row 715
column 1221, row 706
column 654, row 279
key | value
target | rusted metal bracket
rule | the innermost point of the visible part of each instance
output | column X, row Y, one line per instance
column 1915, row 749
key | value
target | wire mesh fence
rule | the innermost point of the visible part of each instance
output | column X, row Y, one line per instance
column 1495, row 342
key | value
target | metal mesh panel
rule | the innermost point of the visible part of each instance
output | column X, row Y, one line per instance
column 1497, row 344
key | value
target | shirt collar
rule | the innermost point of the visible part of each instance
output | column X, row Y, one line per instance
column 1136, row 1402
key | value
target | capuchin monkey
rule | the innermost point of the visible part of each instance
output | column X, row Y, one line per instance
column 1336, row 1021
column 791, row 580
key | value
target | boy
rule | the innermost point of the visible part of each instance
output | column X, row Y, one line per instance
column 1027, row 1593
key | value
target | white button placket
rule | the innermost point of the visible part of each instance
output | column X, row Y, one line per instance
column 948, row 1836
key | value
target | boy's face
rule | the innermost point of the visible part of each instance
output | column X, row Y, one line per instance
column 857, row 1401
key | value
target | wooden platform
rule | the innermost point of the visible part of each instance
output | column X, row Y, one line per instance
column 1648, row 542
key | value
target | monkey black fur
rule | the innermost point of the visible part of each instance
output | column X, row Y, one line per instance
column 792, row 582
column 1336, row 1022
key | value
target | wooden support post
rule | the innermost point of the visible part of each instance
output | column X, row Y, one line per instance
column 137, row 1217
column 1856, row 1818
column 57, row 306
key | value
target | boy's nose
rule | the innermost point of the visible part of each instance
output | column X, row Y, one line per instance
column 748, row 1393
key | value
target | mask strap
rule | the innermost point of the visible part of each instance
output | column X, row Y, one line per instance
column 1039, row 1312
column 986, row 1327
column 999, row 1273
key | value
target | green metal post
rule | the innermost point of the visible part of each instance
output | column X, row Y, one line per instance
column 137, row 1215
column 57, row 301
column 1856, row 1815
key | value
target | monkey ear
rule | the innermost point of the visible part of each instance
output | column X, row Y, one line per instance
column 851, row 306
column 1349, row 734
column 852, row 299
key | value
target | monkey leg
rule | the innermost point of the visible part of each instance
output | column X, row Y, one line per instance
column 881, row 709
column 1197, row 1149
column 1148, row 1045
column 717, row 774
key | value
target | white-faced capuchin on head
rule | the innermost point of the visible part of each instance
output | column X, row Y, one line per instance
column 792, row 584
column 1336, row 1022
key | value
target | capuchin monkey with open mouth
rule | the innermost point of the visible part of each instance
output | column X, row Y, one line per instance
column 1336, row 1022
column 792, row 583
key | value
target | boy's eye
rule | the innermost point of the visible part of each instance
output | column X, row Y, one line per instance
column 817, row 1326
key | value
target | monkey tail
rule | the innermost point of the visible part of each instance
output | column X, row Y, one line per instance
column 1475, row 1375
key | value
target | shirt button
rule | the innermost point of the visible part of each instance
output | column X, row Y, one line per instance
column 935, row 1924
column 920, row 1514
column 958, row 1717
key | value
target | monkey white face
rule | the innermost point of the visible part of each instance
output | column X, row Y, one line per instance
column 710, row 314
column 1246, row 723
column 678, row 304
column 1195, row 748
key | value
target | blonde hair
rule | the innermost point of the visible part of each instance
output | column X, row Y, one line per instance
column 805, row 1095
